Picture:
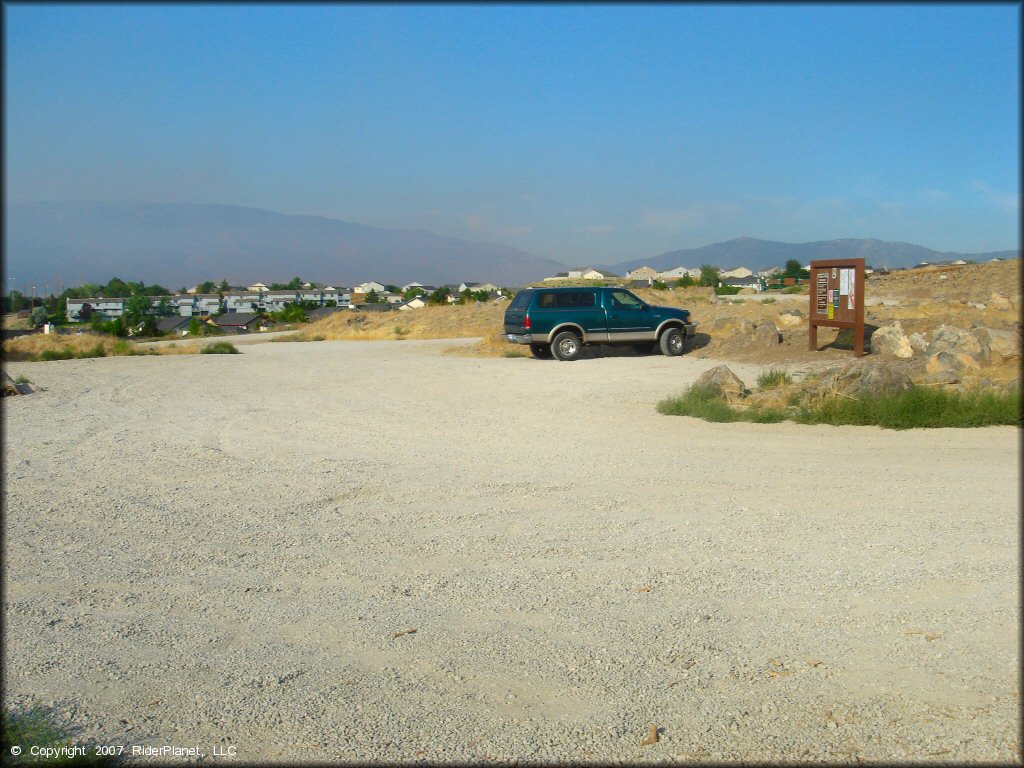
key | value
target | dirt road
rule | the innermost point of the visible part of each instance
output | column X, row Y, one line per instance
column 232, row 551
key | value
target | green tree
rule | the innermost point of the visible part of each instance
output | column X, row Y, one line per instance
column 793, row 269
column 659, row 285
column 295, row 284
column 708, row 276
column 391, row 288
column 223, row 286
column 37, row 316
column 412, row 292
column 438, row 297
column 372, row 297
column 207, row 287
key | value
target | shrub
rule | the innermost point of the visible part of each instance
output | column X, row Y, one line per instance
column 795, row 289
column 23, row 379
column 56, row 354
column 773, row 379
column 35, row 727
column 914, row 408
column 219, row 348
column 727, row 290
column 769, row 300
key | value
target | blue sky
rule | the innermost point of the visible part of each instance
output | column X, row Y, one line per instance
column 582, row 133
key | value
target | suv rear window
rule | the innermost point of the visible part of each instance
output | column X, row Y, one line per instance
column 521, row 300
column 566, row 299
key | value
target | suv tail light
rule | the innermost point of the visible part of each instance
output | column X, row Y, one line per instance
column 526, row 322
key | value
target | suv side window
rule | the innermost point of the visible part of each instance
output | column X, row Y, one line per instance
column 576, row 299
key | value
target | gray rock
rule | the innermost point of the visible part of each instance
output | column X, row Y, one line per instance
column 948, row 338
column 767, row 335
column 722, row 378
column 1000, row 344
column 918, row 343
column 891, row 341
column 878, row 378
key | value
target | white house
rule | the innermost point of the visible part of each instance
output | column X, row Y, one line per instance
column 735, row 272
column 257, row 287
column 416, row 302
column 678, row 273
column 369, row 286
column 642, row 273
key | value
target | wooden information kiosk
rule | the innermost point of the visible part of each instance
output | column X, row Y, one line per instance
column 837, row 299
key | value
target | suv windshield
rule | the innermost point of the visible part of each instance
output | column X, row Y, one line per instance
column 625, row 300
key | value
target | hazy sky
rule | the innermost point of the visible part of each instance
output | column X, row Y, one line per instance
column 587, row 133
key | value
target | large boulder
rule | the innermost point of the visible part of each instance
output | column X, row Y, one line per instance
column 918, row 343
column 725, row 381
column 999, row 301
column 766, row 335
column 791, row 318
column 1001, row 345
column 948, row 338
column 859, row 378
column 949, row 360
column 877, row 377
column 733, row 324
column 891, row 341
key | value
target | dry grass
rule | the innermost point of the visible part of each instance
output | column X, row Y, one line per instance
column 28, row 348
column 451, row 322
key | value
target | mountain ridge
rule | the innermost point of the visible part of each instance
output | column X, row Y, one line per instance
column 181, row 243
column 757, row 254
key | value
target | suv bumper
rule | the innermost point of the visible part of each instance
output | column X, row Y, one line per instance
column 519, row 338
column 690, row 329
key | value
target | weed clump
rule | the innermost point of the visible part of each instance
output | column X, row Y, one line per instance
column 219, row 348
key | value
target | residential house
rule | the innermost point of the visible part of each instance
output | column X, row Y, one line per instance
column 735, row 272
column 590, row 273
column 747, row 281
column 414, row 284
column 207, row 303
column 642, row 273
column 176, row 325
column 416, row 302
column 275, row 301
column 382, row 306
column 243, row 301
column 109, row 308
column 372, row 285
column 559, row 276
column 258, row 287
column 237, row 322
column 678, row 273
column 474, row 287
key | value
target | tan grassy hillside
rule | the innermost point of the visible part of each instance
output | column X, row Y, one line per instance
column 442, row 322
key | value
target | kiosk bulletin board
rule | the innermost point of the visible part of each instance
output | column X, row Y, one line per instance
column 837, row 299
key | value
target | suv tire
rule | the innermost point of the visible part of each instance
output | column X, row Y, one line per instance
column 566, row 346
column 541, row 351
column 672, row 342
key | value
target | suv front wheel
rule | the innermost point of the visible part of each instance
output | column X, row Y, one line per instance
column 566, row 346
column 672, row 342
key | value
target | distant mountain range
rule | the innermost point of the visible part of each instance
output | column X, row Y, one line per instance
column 759, row 255
column 176, row 244
column 179, row 244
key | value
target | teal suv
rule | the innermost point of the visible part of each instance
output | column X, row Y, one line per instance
column 558, row 322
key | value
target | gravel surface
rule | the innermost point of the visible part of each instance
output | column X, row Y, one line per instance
column 232, row 550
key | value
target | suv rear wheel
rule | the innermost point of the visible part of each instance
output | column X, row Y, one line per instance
column 566, row 346
column 541, row 351
column 672, row 341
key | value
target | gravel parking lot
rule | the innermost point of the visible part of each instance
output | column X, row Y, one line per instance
column 233, row 550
